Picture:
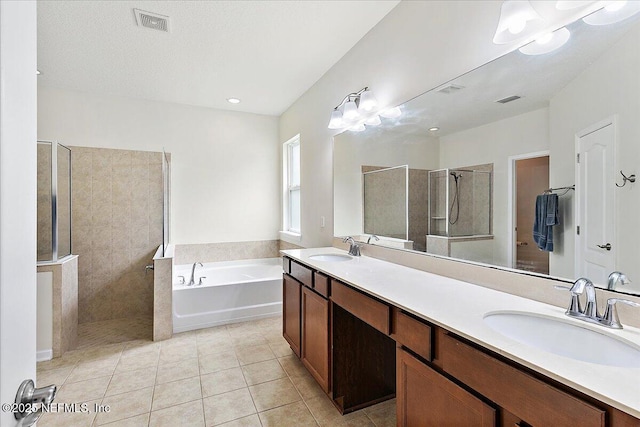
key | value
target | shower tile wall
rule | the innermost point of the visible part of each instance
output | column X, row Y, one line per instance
column 117, row 227
column 418, row 208
column 44, row 202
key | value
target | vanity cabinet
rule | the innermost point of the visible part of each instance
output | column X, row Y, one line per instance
column 427, row 398
column 291, row 320
column 306, row 318
column 362, row 350
column 315, row 336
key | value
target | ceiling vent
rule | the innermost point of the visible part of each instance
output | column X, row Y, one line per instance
column 508, row 99
column 152, row 20
column 449, row 89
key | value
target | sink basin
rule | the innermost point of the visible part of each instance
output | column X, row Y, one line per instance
column 330, row 257
column 564, row 338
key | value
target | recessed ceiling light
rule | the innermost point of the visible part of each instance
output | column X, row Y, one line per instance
column 434, row 129
column 233, row 100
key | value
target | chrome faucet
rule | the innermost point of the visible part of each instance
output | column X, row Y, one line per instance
column 616, row 277
column 192, row 281
column 590, row 312
column 374, row 237
column 354, row 248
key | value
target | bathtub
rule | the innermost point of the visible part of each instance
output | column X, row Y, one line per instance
column 233, row 291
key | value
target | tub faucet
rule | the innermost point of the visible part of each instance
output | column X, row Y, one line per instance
column 616, row 277
column 192, row 281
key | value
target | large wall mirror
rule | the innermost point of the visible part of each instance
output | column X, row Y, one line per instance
column 472, row 167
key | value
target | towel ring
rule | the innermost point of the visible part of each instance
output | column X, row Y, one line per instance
column 630, row 178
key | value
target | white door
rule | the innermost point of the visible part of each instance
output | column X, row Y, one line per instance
column 17, row 199
column 595, row 243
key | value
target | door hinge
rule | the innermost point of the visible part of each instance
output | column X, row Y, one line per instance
column 578, row 158
column 578, row 230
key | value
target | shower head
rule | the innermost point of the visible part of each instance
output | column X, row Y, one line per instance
column 455, row 175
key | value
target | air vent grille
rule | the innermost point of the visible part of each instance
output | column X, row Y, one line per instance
column 508, row 99
column 152, row 20
column 449, row 89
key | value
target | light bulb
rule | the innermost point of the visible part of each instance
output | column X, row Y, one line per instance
column 336, row 120
column 516, row 25
column 350, row 111
column 373, row 121
column 391, row 113
column 547, row 43
column 615, row 6
column 357, row 128
column 367, row 101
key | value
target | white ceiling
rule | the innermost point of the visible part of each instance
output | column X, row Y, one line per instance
column 267, row 53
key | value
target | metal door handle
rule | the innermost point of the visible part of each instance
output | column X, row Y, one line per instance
column 607, row 246
column 27, row 397
column 518, row 243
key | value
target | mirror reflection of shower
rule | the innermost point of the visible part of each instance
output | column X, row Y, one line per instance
column 456, row 199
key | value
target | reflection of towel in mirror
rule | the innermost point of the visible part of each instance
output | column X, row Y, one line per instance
column 545, row 218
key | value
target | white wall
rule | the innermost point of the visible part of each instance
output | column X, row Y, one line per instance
column 18, row 51
column 225, row 179
column 495, row 143
column 610, row 86
column 416, row 47
column 353, row 150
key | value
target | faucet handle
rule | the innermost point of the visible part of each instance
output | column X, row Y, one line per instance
column 575, row 309
column 182, row 281
column 610, row 316
column 200, row 281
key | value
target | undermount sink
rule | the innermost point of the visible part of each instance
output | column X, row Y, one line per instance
column 563, row 338
column 330, row 257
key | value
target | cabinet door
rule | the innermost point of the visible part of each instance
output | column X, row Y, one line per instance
column 291, row 312
column 315, row 336
column 426, row 398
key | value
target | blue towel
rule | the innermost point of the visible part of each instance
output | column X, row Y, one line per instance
column 545, row 218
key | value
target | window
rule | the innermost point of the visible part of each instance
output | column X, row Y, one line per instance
column 291, row 180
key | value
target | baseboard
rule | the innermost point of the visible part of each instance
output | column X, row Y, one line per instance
column 43, row 355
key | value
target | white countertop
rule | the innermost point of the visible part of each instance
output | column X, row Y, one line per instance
column 460, row 307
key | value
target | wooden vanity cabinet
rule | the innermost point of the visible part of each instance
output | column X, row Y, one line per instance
column 427, row 398
column 315, row 336
column 291, row 312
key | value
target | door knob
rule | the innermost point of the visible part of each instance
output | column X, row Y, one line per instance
column 519, row 243
column 27, row 399
column 607, row 246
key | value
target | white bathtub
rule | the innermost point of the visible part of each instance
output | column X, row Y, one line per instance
column 233, row 291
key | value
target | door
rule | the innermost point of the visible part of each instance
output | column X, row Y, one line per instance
column 595, row 243
column 315, row 336
column 532, row 179
column 17, row 199
column 291, row 312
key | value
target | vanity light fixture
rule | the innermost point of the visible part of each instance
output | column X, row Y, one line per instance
column 612, row 12
column 233, row 100
column 547, row 42
column 434, row 129
column 355, row 110
column 518, row 20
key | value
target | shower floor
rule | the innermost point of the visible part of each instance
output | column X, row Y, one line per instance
column 97, row 334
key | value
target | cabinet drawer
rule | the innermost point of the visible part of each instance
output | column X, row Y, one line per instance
column 411, row 333
column 303, row 274
column 365, row 308
column 321, row 284
column 529, row 398
column 286, row 265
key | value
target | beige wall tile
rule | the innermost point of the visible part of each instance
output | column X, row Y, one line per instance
column 113, row 231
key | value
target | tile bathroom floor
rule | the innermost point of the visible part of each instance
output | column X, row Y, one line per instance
column 243, row 374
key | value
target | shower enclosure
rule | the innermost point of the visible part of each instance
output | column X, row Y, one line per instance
column 53, row 201
column 166, row 201
column 459, row 202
